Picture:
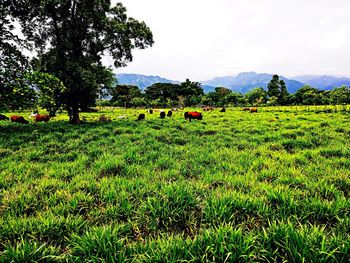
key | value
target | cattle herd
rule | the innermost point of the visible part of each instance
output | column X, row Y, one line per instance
column 189, row 115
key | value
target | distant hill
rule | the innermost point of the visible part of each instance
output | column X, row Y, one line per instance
column 141, row 81
column 246, row 81
column 323, row 82
column 243, row 82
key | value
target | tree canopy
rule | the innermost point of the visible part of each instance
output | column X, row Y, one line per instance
column 71, row 37
column 277, row 91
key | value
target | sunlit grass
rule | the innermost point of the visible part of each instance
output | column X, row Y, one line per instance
column 234, row 187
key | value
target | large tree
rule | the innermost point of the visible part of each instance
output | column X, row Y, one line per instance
column 15, row 91
column 72, row 36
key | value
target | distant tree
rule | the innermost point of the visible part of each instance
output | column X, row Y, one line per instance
column 307, row 95
column 125, row 94
column 256, row 96
column 222, row 91
column 220, row 97
column 340, row 95
column 169, row 94
column 277, row 91
column 192, row 91
column 233, row 98
column 325, row 97
column 139, row 102
column 283, row 94
column 290, row 99
column 273, row 88
column 71, row 36
column 163, row 92
column 211, row 98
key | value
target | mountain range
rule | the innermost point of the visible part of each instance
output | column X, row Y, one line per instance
column 243, row 82
column 142, row 81
column 323, row 82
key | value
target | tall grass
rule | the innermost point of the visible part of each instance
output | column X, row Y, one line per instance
column 234, row 187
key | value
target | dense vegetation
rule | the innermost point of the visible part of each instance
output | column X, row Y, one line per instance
column 168, row 94
column 235, row 187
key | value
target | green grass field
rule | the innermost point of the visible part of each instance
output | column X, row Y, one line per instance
column 235, row 187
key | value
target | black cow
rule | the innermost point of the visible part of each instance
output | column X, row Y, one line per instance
column 4, row 118
column 141, row 117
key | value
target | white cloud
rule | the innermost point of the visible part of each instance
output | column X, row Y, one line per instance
column 200, row 39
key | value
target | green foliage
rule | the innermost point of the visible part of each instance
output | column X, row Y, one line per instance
column 277, row 91
column 308, row 96
column 168, row 94
column 235, row 186
column 125, row 95
column 49, row 89
column 71, row 37
column 257, row 96
column 15, row 93
column 221, row 97
column 340, row 95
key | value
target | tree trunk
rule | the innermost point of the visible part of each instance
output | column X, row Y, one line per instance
column 74, row 116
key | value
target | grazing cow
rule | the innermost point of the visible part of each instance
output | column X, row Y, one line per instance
column 19, row 119
column 253, row 110
column 150, row 111
column 104, row 118
column 223, row 110
column 4, row 118
column 170, row 113
column 193, row 115
column 41, row 117
column 162, row 114
column 246, row 109
column 208, row 108
column 141, row 117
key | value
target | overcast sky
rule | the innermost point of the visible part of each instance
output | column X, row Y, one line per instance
column 201, row 39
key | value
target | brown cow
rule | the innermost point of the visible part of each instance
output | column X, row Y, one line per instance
column 41, row 117
column 253, row 110
column 104, row 118
column 170, row 113
column 193, row 115
column 208, row 108
column 246, row 109
column 19, row 119
column 4, row 118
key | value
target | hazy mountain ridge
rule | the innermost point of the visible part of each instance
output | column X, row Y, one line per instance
column 323, row 82
column 142, row 81
column 246, row 81
column 243, row 82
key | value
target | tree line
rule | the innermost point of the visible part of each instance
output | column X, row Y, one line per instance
column 191, row 94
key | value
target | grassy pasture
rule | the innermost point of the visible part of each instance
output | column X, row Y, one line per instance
column 236, row 187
